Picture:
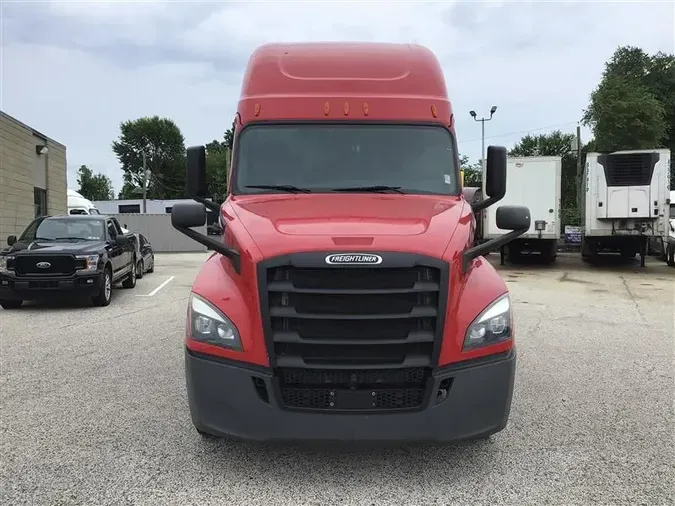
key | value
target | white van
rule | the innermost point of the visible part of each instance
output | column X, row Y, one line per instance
column 77, row 204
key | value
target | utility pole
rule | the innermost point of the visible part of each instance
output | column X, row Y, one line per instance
column 145, row 182
column 579, row 166
column 482, row 129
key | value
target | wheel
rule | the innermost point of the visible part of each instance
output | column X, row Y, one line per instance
column 130, row 281
column 104, row 295
column 11, row 304
column 670, row 254
column 549, row 254
column 206, row 435
column 139, row 269
column 151, row 269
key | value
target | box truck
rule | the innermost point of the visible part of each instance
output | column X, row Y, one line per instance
column 345, row 299
column 534, row 182
column 624, row 202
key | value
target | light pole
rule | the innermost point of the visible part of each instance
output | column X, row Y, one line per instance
column 482, row 137
column 145, row 181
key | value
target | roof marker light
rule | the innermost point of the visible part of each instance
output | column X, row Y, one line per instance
column 365, row 108
column 257, row 109
column 433, row 111
column 326, row 109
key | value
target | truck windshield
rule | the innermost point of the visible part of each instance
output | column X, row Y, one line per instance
column 346, row 158
column 69, row 229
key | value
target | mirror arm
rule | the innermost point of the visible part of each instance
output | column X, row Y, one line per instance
column 483, row 204
column 214, row 245
column 209, row 204
column 489, row 246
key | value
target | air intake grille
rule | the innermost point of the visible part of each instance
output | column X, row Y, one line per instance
column 353, row 338
column 629, row 169
column 49, row 265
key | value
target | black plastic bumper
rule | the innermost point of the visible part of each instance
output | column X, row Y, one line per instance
column 224, row 400
column 15, row 288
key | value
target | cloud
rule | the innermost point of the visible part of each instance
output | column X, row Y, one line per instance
column 75, row 70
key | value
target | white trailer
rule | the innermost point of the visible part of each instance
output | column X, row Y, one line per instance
column 532, row 181
column 624, row 202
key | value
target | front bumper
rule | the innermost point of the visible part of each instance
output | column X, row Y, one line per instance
column 37, row 288
column 225, row 399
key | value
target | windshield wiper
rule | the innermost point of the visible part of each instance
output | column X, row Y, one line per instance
column 43, row 239
column 283, row 187
column 72, row 239
column 380, row 188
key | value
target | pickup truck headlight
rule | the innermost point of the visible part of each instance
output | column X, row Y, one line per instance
column 211, row 326
column 6, row 263
column 90, row 262
column 492, row 326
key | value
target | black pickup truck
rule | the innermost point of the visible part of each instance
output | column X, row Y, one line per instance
column 73, row 255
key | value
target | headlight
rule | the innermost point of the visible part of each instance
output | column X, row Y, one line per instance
column 209, row 325
column 90, row 262
column 3, row 263
column 492, row 326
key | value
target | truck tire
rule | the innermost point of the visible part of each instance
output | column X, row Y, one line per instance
column 549, row 253
column 206, row 435
column 513, row 253
column 130, row 281
column 104, row 295
column 11, row 304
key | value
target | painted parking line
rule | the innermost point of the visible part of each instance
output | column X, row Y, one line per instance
column 154, row 292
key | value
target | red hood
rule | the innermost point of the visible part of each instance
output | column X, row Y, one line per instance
column 280, row 224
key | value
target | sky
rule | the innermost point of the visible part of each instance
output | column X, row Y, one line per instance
column 76, row 70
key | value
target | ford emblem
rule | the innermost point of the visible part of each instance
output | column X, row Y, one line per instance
column 43, row 265
column 353, row 259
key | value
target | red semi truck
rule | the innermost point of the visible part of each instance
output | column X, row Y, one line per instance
column 345, row 299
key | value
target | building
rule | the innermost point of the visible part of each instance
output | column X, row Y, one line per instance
column 152, row 206
column 32, row 176
column 131, row 206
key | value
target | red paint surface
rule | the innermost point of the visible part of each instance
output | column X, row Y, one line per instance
column 294, row 82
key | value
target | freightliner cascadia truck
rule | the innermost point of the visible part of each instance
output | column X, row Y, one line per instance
column 345, row 299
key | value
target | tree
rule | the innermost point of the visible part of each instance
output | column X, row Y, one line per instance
column 129, row 191
column 218, row 156
column 625, row 115
column 94, row 186
column 559, row 144
column 473, row 173
column 164, row 146
column 633, row 107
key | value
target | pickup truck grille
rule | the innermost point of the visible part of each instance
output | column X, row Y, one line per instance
column 59, row 265
column 353, row 337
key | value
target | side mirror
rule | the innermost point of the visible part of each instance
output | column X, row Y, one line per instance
column 513, row 218
column 495, row 177
column 188, row 215
column 195, row 167
column 11, row 240
column 185, row 215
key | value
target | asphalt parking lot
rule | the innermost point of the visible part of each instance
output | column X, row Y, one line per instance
column 94, row 409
